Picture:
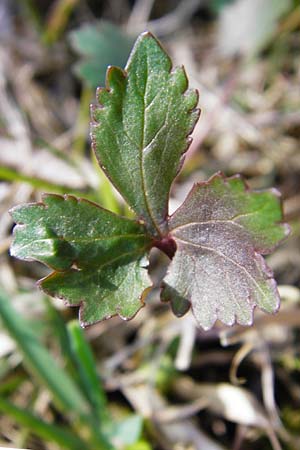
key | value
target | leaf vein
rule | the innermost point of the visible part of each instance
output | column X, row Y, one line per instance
column 222, row 255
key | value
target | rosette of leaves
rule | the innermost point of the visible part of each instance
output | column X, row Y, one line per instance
column 215, row 240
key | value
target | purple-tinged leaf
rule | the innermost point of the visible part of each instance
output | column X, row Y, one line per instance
column 221, row 230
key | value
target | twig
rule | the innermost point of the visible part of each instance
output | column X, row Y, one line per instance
column 139, row 15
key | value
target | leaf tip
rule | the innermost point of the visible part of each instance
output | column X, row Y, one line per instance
column 145, row 35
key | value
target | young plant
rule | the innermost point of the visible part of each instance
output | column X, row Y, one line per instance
column 140, row 133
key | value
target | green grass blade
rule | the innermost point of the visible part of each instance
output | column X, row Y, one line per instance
column 40, row 362
column 44, row 430
column 106, row 196
column 87, row 371
column 59, row 330
column 12, row 383
column 37, row 183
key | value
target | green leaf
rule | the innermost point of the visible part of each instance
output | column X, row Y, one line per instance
column 127, row 431
column 102, row 293
column 100, row 45
column 140, row 131
column 221, row 230
column 98, row 257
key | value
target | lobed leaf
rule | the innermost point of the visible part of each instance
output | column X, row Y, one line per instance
column 140, row 131
column 221, row 230
column 116, row 288
column 94, row 253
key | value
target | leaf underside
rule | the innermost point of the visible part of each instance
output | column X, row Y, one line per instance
column 140, row 131
column 98, row 258
column 220, row 231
